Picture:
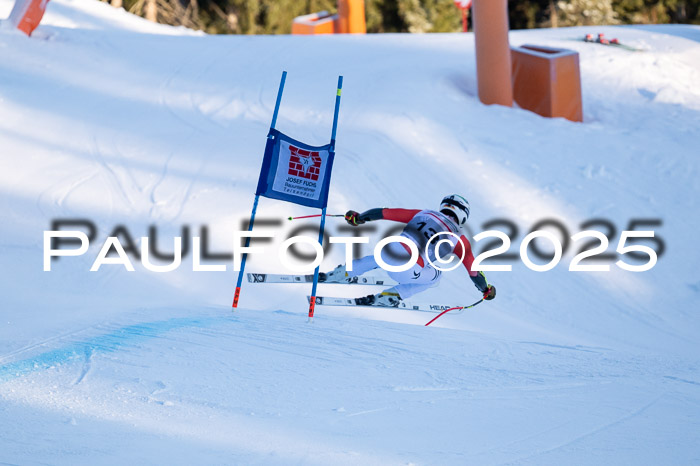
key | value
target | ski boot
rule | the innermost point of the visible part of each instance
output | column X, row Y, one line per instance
column 383, row 299
column 337, row 275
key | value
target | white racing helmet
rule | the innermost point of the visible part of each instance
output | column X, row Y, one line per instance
column 457, row 205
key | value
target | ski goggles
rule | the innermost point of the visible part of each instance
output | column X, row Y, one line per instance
column 456, row 204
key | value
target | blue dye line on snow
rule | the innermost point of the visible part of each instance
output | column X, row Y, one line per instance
column 108, row 343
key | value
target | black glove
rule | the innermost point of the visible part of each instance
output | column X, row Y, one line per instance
column 353, row 219
column 490, row 293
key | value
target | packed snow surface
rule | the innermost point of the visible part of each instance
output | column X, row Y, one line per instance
column 109, row 118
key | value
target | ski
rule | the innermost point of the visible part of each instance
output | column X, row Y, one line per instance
column 601, row 40
column 291, row 278
column 422, row 307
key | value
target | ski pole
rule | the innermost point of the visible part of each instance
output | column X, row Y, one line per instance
column 316, row 215
column 453, row 309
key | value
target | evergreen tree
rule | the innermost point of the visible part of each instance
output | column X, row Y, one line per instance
column 658, row 11
column 275, row 16
column 527, row 14
column 414, row 16
column 443, row 15
column 685, row 11
column 383, row 16
column 241, row 15
column 586, row 12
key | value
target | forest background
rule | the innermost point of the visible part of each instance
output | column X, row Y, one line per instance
column 415, row 16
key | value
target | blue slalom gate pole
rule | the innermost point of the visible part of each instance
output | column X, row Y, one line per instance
column 312, row 300
column 279, row 100
column 337, row 109
column 237, row 293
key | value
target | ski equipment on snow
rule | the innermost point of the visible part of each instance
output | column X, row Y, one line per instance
column 291, row 278
column 315, row 215
column 383, row 299
column 423, row 307
column 602, row 40
column 458, row 308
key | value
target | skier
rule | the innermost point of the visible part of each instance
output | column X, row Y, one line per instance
column 421, row 226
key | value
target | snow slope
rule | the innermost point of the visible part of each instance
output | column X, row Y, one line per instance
column 107, row 117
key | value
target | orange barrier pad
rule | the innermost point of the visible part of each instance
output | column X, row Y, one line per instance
column 493, row 60
column 350, row 19
column 547, row 81
column 315, row 23
column 26, row 14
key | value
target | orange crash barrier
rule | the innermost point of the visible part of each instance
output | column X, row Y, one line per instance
column 350, row 19
column 315, row 23
column 493, row 67
column 26, row 14
column 547, row 81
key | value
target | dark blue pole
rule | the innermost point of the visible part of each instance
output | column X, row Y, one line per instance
column 279, row 100
column 337, row 109
column 312, row 301
column 237, row 294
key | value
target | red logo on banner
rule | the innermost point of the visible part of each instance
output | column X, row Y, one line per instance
column 304, row 163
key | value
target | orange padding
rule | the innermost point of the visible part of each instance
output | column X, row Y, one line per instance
column 493, row 66
column 547, row 81
column 350, row 19
column 315, row 23
column 26, row 14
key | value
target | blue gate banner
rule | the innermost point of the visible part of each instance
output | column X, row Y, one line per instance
column 295, row 172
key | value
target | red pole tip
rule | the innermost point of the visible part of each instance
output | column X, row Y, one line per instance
column 236, row 295
column 312, row 306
